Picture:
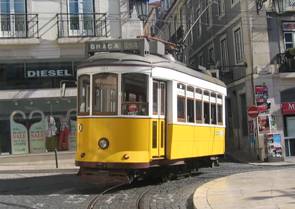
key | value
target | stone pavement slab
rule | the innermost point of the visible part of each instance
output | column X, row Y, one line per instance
column 271, row 189
column 42, row 161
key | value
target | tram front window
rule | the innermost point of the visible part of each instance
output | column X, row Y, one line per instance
column 84, row 94
column 134, row 94
column 105, row 91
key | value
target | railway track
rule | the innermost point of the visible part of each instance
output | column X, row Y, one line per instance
column 140, row 199
column 95, row 199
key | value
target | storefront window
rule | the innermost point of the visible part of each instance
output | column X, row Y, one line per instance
column 84, row 94
column 105, row 94
column 134, row 94
column 37, row 125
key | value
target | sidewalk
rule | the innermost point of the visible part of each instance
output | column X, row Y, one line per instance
column 256, row 190
column 42, row 161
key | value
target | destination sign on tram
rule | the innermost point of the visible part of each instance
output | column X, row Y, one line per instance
column 134, row 46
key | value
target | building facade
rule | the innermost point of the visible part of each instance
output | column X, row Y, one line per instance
column 247, row 45
column 41, row 44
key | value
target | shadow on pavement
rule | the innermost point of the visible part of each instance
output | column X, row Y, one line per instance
column 46, row 185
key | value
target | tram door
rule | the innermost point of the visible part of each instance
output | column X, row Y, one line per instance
column 158, row 123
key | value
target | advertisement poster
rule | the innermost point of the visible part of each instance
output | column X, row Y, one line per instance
column 274, row 147
column 37, row 133
column 263, row 124
column 272, row 123
column 261, row 96
column 19, row 134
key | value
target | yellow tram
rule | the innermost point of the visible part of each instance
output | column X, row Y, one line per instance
column 138, row 113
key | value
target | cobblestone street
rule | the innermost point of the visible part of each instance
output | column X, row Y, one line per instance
column 66, row 190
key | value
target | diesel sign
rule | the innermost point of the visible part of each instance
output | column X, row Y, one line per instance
column 48, row 73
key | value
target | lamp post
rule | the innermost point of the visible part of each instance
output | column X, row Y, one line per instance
column 141, row 7
column 259, row 5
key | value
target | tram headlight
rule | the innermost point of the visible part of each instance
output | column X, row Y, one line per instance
column 103, row 143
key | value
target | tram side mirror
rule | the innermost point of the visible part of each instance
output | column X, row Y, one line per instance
column 63, row 90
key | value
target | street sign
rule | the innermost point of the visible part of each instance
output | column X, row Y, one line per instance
column 253, row 111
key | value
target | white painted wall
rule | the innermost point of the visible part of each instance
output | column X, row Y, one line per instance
column 48, row 46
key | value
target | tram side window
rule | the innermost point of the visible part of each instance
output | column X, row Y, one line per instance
column 84, row 94
column 105, row 91
column 206, row 108
column 155, row 98
column 219, row 110
column 134, row 94
column 190, row 104
column 199, row 106
column 163, row 98
column 213, row 109
column 181, row 102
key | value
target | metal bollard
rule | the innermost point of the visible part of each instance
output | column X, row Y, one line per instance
column 56, row 160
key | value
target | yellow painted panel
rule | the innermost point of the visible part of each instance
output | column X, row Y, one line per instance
column 158, row 151
column 126, row 136
column 185, row 141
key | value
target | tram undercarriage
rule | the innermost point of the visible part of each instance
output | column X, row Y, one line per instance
column 159, row 170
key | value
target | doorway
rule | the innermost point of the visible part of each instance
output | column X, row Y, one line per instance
column 159, row 119
column 290, row 136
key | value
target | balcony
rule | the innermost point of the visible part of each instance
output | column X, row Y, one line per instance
column 177, row 37
column 230, row 74
column 19, row 26
column 81, row 25
column 287, row 61
column 282, row 6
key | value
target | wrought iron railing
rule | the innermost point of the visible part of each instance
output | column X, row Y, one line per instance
column 19, row 26
column 286, row 61
column 82, row 25
column 229, row 74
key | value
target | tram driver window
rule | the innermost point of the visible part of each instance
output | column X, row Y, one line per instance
column 206, row 108
column 84, row 94
column 105, row 91
column 134, row 94
column 181, row 102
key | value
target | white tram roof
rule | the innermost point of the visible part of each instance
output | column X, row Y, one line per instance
column 116, row 59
